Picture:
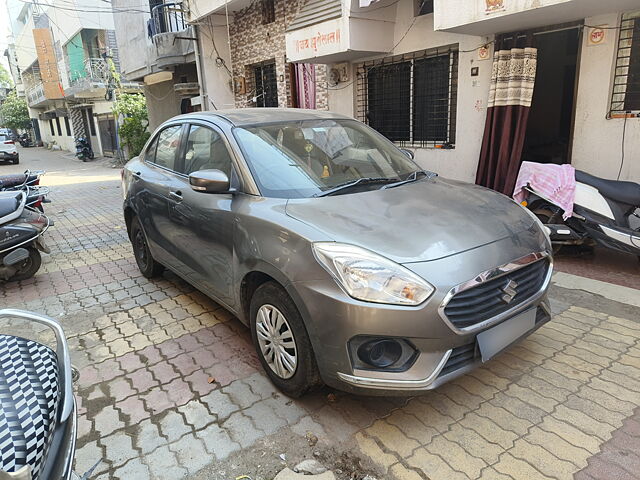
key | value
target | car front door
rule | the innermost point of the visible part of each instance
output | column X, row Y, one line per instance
column 159, row 181
column 205, row 221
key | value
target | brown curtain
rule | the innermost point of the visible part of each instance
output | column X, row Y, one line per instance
column 510, row 93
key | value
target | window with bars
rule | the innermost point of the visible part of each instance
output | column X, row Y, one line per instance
column 626, row 83
column 411, row 98
column 266, row 85
column 424, row 7
column 268, row 11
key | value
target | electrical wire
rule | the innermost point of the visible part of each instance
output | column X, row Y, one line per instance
column 624, row 131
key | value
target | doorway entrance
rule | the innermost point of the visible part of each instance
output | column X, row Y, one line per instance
column 550, row 126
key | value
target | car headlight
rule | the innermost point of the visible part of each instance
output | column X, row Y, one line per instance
column 367, row 276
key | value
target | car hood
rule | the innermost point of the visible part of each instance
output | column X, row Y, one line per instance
column 416, row 222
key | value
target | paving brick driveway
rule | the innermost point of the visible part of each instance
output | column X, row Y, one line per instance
column 170, row 387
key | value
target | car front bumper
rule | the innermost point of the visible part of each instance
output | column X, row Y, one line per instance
column 443, row 352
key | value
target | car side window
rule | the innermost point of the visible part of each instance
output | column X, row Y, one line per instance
column 150, row 153
column 168, row 144
column 206, row 150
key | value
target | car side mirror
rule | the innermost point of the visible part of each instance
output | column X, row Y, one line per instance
column 209, row 181
column 408, row 153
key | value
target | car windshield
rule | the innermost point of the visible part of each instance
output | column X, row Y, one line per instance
column 298, row 159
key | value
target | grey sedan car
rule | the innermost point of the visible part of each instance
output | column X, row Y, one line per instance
column 351, row 265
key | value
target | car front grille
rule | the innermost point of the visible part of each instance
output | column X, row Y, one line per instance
column 495, row 296
column 470, row 353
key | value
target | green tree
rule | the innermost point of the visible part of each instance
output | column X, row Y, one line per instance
column 5, row 78
column 133, row 127
column 14, row 112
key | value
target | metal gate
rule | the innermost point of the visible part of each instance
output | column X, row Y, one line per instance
column 107, row 130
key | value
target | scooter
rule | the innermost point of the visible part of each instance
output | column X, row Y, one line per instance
column 21, row 230
column 29, row 181
column 25, row 140
column 37, row 406
column 605, row 212
column 83, row 149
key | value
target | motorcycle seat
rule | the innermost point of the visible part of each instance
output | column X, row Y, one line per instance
column 29, row 397
column 620, row 191
column 9, row 202
column 8, row 181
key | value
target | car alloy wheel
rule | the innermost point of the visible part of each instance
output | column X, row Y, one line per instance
column 275, row 338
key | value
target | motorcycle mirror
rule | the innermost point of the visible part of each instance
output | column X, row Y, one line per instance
column 209, row 181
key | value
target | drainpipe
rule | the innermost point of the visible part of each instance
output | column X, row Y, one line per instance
column 204, row 97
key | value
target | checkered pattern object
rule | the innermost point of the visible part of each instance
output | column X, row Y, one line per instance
column 29, row 396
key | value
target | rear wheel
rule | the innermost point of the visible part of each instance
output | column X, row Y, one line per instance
column 146, row 263
column 28, row 267
column 546, row 216
column 281, row 341
column 16, row 160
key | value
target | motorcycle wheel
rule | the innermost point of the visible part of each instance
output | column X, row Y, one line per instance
column 29, row 267
column 92, row 156
column 545, row 216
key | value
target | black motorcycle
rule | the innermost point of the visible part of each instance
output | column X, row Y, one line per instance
column 25, row 140
column 37, row 407
column 21, row 230
column 83, row 149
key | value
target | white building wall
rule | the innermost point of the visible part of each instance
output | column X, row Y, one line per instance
column 597, row 141
column 461, row 162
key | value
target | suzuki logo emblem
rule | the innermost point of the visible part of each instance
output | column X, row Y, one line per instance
column 509, row 291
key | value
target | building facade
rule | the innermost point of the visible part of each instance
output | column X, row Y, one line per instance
column 420, row 73
column 67, row 59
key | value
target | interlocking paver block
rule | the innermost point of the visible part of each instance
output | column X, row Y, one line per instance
column 118, row 448
column 173, row 426
column 241, row 429
column 107, row 421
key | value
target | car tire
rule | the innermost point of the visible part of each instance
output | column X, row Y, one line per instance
column 268, row 301
column 146, row 263
column 29, row 267
column 16, row 160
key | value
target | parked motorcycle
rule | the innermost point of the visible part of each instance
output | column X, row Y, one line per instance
column 29, row 181
column 21, row 230
column 83, row 149
column 25, row 140
column 38, row 408
column 605, row 212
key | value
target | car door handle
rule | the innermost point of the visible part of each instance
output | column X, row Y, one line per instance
column 176, row 195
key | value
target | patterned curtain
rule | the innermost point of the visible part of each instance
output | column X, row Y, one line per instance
column 510, row 94
column 306, row 85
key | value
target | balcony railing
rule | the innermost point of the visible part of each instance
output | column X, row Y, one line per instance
column 166, row 18
column 35, row 94
column 95, row 70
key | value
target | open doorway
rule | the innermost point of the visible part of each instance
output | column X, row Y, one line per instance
column 550, row 125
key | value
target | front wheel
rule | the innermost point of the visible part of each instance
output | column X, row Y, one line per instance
column 16, row 160
column 281, row 341
column 146, row 263
column 28, row 267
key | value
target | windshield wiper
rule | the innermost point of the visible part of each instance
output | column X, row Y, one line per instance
column 413, row 176
column 360, row 181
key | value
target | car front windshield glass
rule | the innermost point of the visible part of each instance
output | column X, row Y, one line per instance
column 305, row 158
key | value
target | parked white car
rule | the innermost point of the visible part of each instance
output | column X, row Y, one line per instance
column 8, row 150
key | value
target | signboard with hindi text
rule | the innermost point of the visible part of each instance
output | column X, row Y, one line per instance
column 48, row 64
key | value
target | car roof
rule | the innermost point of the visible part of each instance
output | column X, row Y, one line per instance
column 252, row 116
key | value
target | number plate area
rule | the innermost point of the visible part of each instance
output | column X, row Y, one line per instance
column 496, row 339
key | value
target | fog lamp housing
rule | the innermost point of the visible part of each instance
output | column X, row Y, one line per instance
column 382, row 353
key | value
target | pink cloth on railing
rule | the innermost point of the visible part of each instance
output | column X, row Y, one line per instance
column 556, row 183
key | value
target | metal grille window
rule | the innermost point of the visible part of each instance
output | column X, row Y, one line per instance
column 626, row 83
column 425, row 7
column 266, row 85
column 268, row 11
column 411, row 98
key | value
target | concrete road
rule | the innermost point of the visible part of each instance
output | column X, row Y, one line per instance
column 170, row 386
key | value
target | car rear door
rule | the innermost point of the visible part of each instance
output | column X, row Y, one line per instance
column 157, row 183
column 204, row 222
